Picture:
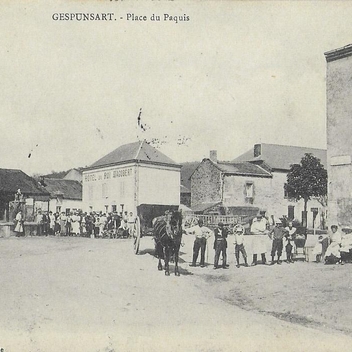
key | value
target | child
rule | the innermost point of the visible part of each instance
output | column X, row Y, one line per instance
column 239, row 245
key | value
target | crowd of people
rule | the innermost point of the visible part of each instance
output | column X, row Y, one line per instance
column 78, row 223
column 330, row 249
column 336, row 247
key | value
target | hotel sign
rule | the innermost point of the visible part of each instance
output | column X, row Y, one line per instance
column 106, row 175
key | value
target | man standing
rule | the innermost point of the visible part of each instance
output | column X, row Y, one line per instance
column 239, row 245
column 277, row 234
column 290, row 241
column 130, row 221
column 259, row 227
column 220, row 245
column 202, row 233
column 40, row 223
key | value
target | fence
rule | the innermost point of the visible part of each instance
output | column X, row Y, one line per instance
column 214, row 219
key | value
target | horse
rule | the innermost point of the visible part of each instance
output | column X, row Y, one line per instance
column 167, row 232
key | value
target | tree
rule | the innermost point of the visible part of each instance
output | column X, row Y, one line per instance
column 306, row 180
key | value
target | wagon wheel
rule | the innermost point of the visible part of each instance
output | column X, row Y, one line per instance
column 136, row 235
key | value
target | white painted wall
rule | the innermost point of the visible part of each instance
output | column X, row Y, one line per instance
column 64, row 204
column 131, row 185
column 159, row 185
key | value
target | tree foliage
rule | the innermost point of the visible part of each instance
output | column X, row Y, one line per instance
column 307, row 179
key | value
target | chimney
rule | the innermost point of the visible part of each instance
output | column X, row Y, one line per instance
column 213, row 156
column 257, row 150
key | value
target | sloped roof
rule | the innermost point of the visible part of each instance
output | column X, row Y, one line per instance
column 187, row 170
column 137, row 151
column 69, row 189
column 281, row 156
column 204, row 206
column 243, row 168
column 11, row 180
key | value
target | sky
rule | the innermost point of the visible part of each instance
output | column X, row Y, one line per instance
column 236, row 74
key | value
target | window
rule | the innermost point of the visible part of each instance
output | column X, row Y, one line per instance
column 58, row 208
column 249, row 189
column 285, row 191
column 291, row 212
column 113, row 208
column 68, row 211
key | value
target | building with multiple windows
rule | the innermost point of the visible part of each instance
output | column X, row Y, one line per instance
column 254, row 180
column 133, row 174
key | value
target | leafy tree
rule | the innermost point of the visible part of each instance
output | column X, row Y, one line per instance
column 306, row 180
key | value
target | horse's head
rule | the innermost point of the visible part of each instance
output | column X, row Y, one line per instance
column 173, row 224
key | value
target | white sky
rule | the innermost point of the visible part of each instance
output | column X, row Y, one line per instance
column 236, row 74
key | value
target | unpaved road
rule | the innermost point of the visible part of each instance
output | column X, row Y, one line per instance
column 77, row 294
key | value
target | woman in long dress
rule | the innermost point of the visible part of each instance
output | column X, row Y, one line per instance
column 19, row 224
column 75, row 224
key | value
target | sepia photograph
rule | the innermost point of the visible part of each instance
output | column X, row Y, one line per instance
column 175, row 176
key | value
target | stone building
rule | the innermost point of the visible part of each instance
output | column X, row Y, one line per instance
column 254, row 180
column 131, row 175
column 339, row 128
column 185, row 196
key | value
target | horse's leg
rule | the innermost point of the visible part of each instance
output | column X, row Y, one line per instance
column 167, row 258
column 177, row 272
column 159, row 250
column 160, row 267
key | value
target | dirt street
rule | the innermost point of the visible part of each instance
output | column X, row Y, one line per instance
column 78, row 294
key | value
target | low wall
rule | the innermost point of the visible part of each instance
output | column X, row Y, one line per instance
column 7, row 229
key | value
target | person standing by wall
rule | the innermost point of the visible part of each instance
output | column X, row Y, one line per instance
column 202, row 233
column 260, row 227
column 277, row 234
column 289, row 242
column 220, row 245
column 239, row 245
column 19, row 228
column 40, row 223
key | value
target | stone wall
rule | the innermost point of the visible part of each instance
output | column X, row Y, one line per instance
column 206, row 184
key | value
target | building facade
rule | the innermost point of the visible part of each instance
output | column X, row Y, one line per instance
column 131, row 175
column 339, row 127
column 33, row 196
column 65, row 194
column 255, row 180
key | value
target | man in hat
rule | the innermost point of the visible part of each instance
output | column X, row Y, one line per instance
column 202, row 233
column 259, row 227
column 277, row 234
column 220, row 245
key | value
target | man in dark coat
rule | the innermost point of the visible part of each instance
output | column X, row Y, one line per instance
column 220, row 245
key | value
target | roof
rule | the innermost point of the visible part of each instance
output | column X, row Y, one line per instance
column 137, row 151
column 187, row 170
column 281, row 157
column 339, row 53
column 69, row 189
column 243, row 168
column 204, row 206
column 12, row 179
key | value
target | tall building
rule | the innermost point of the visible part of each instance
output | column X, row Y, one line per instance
column 339, row 141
